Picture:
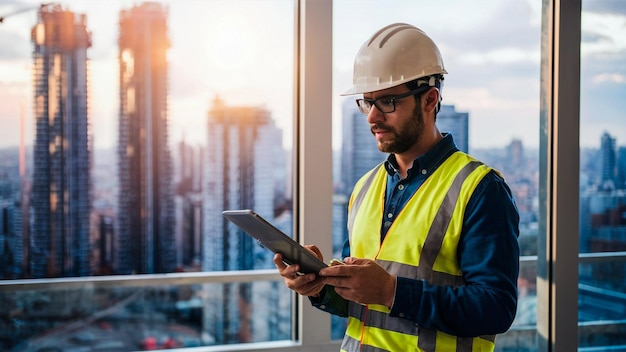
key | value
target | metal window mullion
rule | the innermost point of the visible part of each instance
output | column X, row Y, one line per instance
column 557, row 267
column 145, row 280
column 314, row 151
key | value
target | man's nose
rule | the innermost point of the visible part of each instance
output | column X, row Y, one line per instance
column 375, row 115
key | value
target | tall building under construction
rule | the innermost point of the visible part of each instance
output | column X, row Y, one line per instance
column 145, row 240
column 61, row 180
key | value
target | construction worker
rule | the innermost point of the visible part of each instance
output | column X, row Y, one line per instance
column 432, row 257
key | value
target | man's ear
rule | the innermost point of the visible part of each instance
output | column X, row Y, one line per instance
column 430, row 99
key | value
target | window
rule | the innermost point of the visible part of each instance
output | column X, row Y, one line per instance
column 490, row 105
column 149, row 120
column 602, row 237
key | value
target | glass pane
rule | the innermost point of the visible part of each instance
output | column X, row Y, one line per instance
column 128, row 127
column 169, row 114
column 144, row 318
column 602, row 292
column 602, row 305
column 490, row 105
column 186, row 130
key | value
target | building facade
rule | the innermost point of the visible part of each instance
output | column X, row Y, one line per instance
column 145, row 240
column 359, row 152
column 244, row 150
column 608, row 161
column 11, row 240
column 457, row 123
column 61, row 180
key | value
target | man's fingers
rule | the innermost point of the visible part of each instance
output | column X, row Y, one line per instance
column 287, row 271
column 315, row 250
column 278, row 260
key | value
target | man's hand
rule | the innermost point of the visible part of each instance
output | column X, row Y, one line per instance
column 362, row 281
column 306, row 285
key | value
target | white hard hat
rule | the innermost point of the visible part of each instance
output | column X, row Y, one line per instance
column 396, row 54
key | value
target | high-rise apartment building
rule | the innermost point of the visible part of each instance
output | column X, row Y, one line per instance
column 145, row 216
column 244, row 150
column 61, row 180
column 457, row 123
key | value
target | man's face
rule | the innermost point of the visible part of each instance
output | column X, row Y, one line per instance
column 398, row 131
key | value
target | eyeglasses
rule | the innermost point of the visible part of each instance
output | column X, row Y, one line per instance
column 386, row 104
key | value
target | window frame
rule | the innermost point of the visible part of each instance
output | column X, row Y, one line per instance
column 559, row 153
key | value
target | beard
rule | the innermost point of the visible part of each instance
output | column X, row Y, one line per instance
column 404, row 136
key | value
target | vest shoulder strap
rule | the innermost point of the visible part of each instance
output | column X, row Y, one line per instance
column 358, row 198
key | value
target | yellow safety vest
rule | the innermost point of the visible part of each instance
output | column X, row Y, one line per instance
column 421, row 244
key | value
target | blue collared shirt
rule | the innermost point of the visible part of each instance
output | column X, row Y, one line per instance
column 488, row 254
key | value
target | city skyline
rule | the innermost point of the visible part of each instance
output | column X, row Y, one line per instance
column 486, row 67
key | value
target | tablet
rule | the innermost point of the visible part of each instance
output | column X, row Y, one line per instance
column 275, row 240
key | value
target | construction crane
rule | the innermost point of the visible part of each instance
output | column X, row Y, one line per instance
column 22, row 10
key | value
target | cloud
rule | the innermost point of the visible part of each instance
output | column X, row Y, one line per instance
column 511, row 24
column 603, row 33
column 609, row 77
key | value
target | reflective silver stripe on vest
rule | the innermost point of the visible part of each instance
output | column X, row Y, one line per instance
column 356, row 204
column 427, row 340
column 411, row 272
column 437, row 231
column 464, row 345
column 379, row 320
column 351, row 345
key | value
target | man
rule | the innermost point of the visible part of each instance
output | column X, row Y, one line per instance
column 432, row 257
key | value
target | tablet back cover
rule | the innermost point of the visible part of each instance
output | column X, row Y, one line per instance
column 275, row 240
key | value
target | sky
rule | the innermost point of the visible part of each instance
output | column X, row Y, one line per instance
column 232, row 55
column 242, row 51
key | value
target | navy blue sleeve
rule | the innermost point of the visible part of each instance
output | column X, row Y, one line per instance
column 330, row 302
column 488, row 256
column 345, row 252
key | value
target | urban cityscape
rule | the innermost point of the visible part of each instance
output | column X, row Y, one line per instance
column 68, row 209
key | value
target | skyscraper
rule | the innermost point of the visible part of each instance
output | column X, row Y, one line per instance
column 11, row 242
column 145, row 216
column 456, row 123
column 359, row 152
column 244, row 148
column 188, row 200
column 608, row 160
column 61, row 180
column 621, row 167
